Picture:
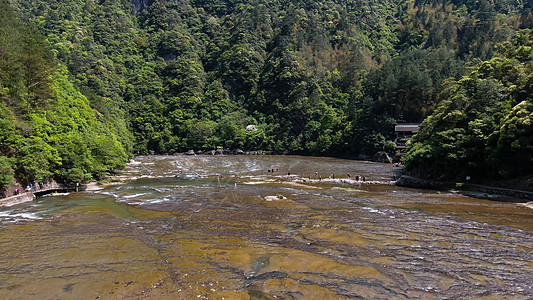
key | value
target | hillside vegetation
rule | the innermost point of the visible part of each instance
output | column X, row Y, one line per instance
column 484, row 124
column 48, row 129
column 86, row 84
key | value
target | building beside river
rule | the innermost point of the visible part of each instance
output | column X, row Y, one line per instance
column 404, row 133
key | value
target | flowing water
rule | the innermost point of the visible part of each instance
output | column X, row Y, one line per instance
column 223, row 227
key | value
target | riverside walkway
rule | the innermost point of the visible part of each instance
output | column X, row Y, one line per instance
column 31, row 194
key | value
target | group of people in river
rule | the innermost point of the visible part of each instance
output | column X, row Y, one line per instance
column 357, row 178
column 349, row 179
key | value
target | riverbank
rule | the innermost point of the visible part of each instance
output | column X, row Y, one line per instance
column 17, row 199
column 323, row 176
column 258, row 232
column 474, row 190
column 37, row 190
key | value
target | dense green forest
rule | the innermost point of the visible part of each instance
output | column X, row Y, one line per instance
column 484, row 124
column 48, row 128
column 86, row 84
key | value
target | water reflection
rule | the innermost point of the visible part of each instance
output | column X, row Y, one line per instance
column 225, row 227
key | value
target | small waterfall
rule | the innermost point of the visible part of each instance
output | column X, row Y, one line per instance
column 388, row 157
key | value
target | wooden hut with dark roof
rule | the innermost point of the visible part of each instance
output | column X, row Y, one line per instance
column 404, row 133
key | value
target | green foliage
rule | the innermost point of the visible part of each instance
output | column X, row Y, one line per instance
column 48, row 129
column 406, row 87
column 483, row 125
column 86, row 146
column 26, row 62
column 7, row 131
column 87, row 84
column 515, row 143
column 6, row 172
column 35, row 160
column 319, row 77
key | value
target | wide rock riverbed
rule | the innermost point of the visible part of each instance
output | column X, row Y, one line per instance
column 223, row 227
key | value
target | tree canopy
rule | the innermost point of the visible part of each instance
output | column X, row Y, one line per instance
column 48, row 128
column 86, row 84
column 483, row 126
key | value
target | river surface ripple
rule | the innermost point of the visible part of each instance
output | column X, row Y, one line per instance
column 223, row 227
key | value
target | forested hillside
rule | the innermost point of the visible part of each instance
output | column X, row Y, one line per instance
column 484, row 125
column 48, row 129
column 88, row 83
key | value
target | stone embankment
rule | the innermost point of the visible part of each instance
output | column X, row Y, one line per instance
column 476, row 190
column 17, row 199
column 419, row 183
column 37, row 190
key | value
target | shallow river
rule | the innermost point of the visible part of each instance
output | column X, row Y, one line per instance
column 222, row 227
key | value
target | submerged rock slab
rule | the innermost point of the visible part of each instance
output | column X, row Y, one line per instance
column 275, row 198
